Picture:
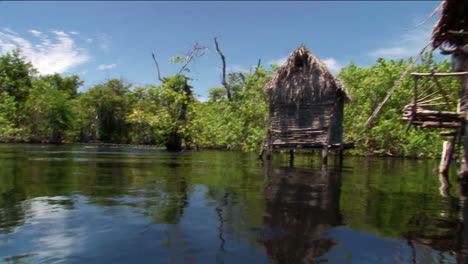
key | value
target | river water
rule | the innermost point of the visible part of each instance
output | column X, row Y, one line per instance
column 130, row 204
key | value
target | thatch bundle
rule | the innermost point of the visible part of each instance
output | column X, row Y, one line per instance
column 453, row 18
column 303, row 79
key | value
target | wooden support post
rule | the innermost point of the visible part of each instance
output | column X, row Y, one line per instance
column 446, row 157
column 340, row 157
column 291, row 157
column 325, row 155
column 269, row 152
column 415, row 103
column 464, row 103
column 262, row 151
column 269, row 148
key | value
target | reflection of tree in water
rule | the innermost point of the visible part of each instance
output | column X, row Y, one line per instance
column 301, row 204
column 172, row 200
column 463, row 249
column 454, row 220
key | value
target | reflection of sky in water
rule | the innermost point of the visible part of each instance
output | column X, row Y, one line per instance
column 46, row 233
column 76, row 229
column 207, row 207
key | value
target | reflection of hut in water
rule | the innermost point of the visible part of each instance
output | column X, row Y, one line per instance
column 306, row 105
column 303, row 203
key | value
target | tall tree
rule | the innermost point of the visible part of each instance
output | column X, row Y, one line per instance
column 182, row 97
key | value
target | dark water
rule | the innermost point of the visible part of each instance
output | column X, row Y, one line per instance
column 103, row 204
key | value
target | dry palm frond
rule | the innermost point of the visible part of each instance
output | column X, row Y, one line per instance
column 303, row 78
column 452, row 19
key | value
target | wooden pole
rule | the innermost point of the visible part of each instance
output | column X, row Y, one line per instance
column 291, row 157
column 262, row 150
column 340, row 156
column 463, row 59
column 464, row 102
column 269, row 147
column 446, row 156
column 325, row 155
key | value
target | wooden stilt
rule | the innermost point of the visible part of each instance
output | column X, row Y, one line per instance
column 446, row 157
column 262, row 151
column 463, row 104
column 325, row 155
column 269, row 151
column 340, row 157
column 268, row 154
column 291, row 157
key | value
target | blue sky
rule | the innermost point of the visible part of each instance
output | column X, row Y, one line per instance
column 102, row 40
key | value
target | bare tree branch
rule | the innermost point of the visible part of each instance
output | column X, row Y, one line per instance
column 223, row 59
column 157, row 66
column 438, row 9
column 197, row 51
column 258, row 65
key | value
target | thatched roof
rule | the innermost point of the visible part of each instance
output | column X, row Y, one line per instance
column 303, row 78
column 452, row 18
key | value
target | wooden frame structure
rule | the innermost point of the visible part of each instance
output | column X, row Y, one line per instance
column 433, row 108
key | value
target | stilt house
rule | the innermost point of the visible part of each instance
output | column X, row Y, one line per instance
column 306, row 105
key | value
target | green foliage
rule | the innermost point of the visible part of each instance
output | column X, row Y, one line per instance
column 49, row 108
column 7, row 115
column 162, row 114
column 16, row 75
column 103, row 111
column 237, row 124
column 49, row 113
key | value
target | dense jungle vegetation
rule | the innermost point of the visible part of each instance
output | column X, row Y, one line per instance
column 49, row 109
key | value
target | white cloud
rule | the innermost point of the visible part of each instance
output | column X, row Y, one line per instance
column 333, row 65
column 8, row 30
column 279, row 61
column 106, row 66
column 103, row 41
column 89, row 40
column 35, row 32
column 74, row 32
column 49, row 54
column 409, row 43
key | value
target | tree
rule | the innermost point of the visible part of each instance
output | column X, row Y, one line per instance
column 176, row 97
column 103, row 111
column 16, row 75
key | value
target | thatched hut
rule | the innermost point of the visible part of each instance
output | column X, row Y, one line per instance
column 448, row 30
column 306, row 105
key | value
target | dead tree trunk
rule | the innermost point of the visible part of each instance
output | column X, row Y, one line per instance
column 223, row 81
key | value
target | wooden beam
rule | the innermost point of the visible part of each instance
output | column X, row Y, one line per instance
column 442, row 74
column 437, row 124
column 447, row 133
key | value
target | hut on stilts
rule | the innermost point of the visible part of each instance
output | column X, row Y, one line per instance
column 431, row 107
column 305, row 107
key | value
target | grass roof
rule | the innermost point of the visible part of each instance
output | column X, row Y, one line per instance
column 303, row 78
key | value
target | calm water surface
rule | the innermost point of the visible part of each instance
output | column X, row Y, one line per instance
column 124, row 204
